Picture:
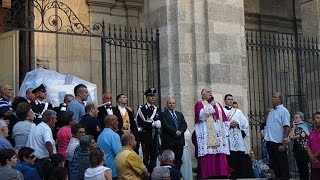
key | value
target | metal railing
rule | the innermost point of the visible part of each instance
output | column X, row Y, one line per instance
column 287, row 63
column 130, row 55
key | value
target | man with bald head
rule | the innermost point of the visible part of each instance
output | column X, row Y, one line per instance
column 128, row 162
column 107, row 109
column 173, row 128
column 89, row 121
column 277, row 132
column 109, row 142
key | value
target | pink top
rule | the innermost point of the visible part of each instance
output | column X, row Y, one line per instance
column 314, row 144
column 63, row 137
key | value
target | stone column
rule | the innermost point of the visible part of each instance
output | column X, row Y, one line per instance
column 310, row 16
column 202, row 44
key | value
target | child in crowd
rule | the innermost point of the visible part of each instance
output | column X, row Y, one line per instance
column 97, row 170
column 259, row 168
column 313, row 147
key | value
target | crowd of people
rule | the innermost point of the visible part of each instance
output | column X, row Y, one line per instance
column 84, row 140
column 278, row 132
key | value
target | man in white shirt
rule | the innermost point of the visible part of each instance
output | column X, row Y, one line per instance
column 41, row 139
column 239, row 131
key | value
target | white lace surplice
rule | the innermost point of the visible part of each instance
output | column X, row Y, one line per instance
column 237, row 142
column 201, row 130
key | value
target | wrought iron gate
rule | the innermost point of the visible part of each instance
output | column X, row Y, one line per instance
column 286, row 63
column 130, row 56
column 132, row 62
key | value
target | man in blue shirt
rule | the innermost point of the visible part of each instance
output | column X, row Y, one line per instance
column 25, row 166
column 277, row 132
column 77, row 105
column 109, row 142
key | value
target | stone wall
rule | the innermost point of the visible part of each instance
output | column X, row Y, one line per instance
column 272, row 15
column 64, row 53
column 201, row 45
column 310, row 17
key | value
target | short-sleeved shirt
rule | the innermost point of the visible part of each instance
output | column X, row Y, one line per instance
column 74, row 142
column 110, row 143
column 63, row 138
column 4, row 143
column 38, row 138
column 129, row 164
column 21, row 131
column 77, row 107
column 278, row 117
column 314, row 144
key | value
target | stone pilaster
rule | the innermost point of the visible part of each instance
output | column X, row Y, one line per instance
column 201, row 45
column 310, row 15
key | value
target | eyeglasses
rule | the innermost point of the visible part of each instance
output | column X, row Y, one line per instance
column 4, row 127
column 31, row 156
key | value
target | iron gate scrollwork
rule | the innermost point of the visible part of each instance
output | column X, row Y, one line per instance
column 130, row 55
column 41, row 16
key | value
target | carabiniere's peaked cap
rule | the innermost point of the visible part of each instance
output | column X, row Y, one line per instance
column 42, row 88
column 150, row 92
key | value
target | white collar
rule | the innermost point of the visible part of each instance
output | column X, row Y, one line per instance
column 149, row 105
column 38, row 101
column 122, row 109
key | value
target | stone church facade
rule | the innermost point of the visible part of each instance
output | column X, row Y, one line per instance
column 202, row 43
